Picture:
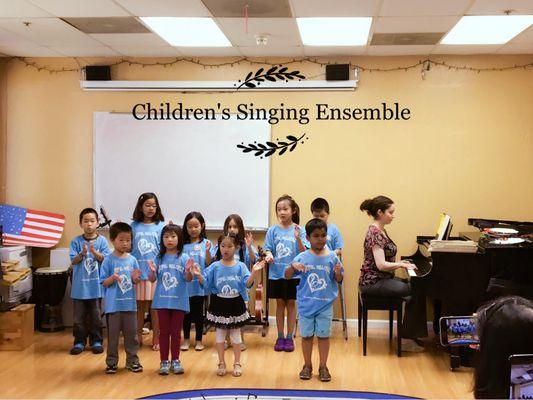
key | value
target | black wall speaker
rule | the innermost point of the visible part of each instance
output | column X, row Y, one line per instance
column 98, row 73
column 338, row 72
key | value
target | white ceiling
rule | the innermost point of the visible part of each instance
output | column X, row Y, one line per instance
column 47, row 35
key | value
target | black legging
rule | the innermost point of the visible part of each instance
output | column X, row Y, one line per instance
column 196, row 315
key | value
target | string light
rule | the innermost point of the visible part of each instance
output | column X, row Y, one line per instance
column 426, row 65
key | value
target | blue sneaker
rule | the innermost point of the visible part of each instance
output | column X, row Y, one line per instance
column 97, row 348
column 176, row 367
column 77, row 349
column 164, row 368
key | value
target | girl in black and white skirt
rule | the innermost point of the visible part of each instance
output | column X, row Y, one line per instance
column 228, row 280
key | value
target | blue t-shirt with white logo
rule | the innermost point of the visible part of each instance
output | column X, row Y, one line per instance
column 237, row 255
column 334, row 239
column 120, row 296
column 85, row 274
column 317, row 288
column 282, row 244
column 145, row 246
column 227, row 281
column 171, row 290
column 196, row 251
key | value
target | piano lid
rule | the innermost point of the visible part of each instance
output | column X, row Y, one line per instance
column 523, row 227
column 485, row 243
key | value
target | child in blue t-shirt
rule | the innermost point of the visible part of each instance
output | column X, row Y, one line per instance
column 228, row 281
column 320, row 209
column 147, row 226
column 87, row 251
column 245, row 252
column 119, row 274
column 198, row 247
column 319, row 270
column 282, row 243
column 171, row 298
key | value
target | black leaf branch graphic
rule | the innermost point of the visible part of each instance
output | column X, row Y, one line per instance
column 276, row 73
column 269, row 148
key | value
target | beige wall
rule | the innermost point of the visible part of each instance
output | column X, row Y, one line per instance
column 467, row 149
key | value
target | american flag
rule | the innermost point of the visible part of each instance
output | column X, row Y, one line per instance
column 22, row 226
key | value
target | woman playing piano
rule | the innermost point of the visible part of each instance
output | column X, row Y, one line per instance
column 377, row 272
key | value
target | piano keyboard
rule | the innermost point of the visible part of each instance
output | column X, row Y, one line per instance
column 422, row 269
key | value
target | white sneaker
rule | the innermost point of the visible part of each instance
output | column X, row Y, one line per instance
column 185, row 345
column 411, row 346
column 199, row 346
column 243, row 346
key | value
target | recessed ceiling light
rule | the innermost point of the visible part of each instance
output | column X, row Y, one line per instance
column 334, row 31
column 487, row 29
column 188, row 32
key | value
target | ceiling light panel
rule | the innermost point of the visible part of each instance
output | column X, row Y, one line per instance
column 188, row 32
column 334, row 31
column 487, row 29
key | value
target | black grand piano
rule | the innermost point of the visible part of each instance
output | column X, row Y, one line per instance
column 458, row 283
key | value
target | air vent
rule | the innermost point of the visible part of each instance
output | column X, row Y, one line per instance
column 107, row 25
column 256, row 8
column 407, row 39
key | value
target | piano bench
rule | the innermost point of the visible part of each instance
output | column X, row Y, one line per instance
column 366, row 303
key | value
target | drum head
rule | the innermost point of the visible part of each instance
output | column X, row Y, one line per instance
column 51, row 270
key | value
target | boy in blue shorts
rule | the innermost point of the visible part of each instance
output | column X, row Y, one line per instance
column 319, row 270
column 320, row 209
column 87, row 252
column 119, row 274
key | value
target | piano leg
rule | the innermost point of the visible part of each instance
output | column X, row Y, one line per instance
column 455, row 358
column 455, row 362
column 461, row 356
column 437, row 313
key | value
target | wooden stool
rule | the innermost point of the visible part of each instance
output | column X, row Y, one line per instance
column 365, row 303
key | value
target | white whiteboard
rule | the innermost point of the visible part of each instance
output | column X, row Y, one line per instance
column 189, row 165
